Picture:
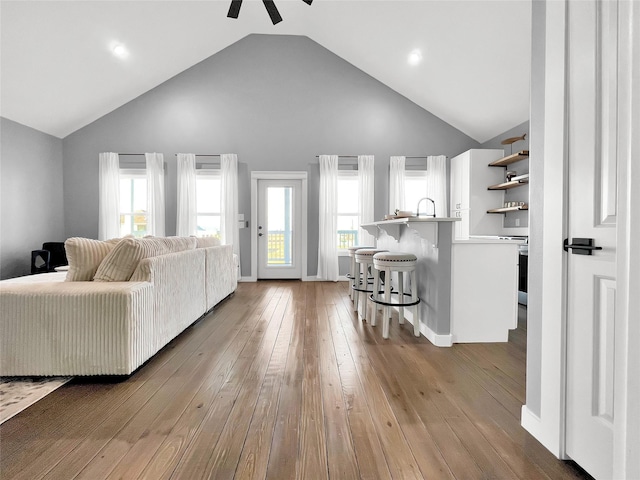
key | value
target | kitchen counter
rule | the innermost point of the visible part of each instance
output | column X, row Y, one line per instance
column 467, row 288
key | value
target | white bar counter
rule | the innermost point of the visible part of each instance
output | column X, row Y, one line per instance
column 468, row 288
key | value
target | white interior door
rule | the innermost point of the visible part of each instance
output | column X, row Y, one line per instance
column 279, row 229
column 591, row 291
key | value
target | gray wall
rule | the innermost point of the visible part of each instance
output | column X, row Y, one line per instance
column 521, row 167
column 277, row 101
column 31, row 199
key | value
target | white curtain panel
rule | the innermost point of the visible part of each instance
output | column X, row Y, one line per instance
column 328, row 219
column 437, row 182
column 187, row 215
column 365, row 197
column 155, row 194
column 396, row 184
column 229, row 201
column 108, row 196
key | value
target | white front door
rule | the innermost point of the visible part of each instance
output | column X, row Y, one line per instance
column 279, row 230
column 593, row 187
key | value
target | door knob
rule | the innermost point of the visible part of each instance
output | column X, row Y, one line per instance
column 580, row 246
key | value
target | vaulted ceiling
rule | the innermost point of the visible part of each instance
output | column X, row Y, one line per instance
column 58, row 72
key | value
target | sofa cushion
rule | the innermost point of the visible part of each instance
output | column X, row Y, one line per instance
column 120, row 263
column 85, row 256
column 205, row 242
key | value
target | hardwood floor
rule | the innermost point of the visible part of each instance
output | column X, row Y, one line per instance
column 281, row 381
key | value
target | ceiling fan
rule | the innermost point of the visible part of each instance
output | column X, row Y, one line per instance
column 272, row 10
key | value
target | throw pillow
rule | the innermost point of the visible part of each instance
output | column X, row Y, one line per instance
column 121, row 262
column 85, row 256
column 204, row 242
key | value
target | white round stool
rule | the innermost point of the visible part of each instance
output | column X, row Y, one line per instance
column 364, row 260
column 352, row 269
column 389, row 262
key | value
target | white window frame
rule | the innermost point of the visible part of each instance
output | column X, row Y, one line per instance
column 132, row 174
column 204, row 173
column 343, row 252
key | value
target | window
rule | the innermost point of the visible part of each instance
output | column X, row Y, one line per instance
column 348, row 221
column 133, row 203
column 415, row 188
column 208, row 203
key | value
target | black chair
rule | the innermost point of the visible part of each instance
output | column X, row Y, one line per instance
column 51, row 256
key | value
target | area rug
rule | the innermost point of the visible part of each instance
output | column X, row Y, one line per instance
column 17, row 393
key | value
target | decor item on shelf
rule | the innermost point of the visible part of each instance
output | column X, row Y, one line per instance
column 272, row 10
column 509, row 174
column 510, row 141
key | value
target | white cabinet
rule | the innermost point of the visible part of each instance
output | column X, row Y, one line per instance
column 470, row 199
column 484, row 284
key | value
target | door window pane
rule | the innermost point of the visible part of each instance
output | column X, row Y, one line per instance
column 279, row 226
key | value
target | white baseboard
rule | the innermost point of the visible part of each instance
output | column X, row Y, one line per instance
column 437, row 339
column 304, row 279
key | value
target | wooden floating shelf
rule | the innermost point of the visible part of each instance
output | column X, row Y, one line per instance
column 508, row 185
column 508, row 209
column 516, row 157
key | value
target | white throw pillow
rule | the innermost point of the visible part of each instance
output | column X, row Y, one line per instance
column 85, row 256
column 204, row 242
column 121, row 262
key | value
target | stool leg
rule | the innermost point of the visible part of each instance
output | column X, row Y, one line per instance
column 387, row 299
column 378, row 306
column 401, row 297
column 376, row 289
column 416, row 310
column 352, row 272
column 356, row 282
column 362, row 298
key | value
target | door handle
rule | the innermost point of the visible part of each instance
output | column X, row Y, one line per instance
column 580, row 246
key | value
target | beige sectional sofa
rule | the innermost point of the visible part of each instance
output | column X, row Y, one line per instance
column 49, row 326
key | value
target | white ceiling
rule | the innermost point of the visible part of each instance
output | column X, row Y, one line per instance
column 58, row 73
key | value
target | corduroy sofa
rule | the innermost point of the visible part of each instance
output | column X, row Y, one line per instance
column 49, row 326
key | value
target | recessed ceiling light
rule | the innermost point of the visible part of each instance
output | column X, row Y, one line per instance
column 120, row 51
column 415, row 57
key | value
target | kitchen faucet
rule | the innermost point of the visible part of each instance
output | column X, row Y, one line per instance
column 418, row 206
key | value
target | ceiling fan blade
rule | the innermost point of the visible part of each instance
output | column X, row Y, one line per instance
column 234, row 8
column 308, row 2
column 273, row 11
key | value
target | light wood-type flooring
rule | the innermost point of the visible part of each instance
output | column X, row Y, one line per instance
column 282, row 381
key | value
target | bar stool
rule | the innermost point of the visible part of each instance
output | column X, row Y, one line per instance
column 352, row 269
column 364, row 260
column 399, row 262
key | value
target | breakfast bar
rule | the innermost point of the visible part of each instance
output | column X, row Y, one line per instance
column 467, row 288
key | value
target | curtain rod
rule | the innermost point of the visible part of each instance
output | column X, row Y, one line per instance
column 205, row 154
column 356, row 156
column 197, row 155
